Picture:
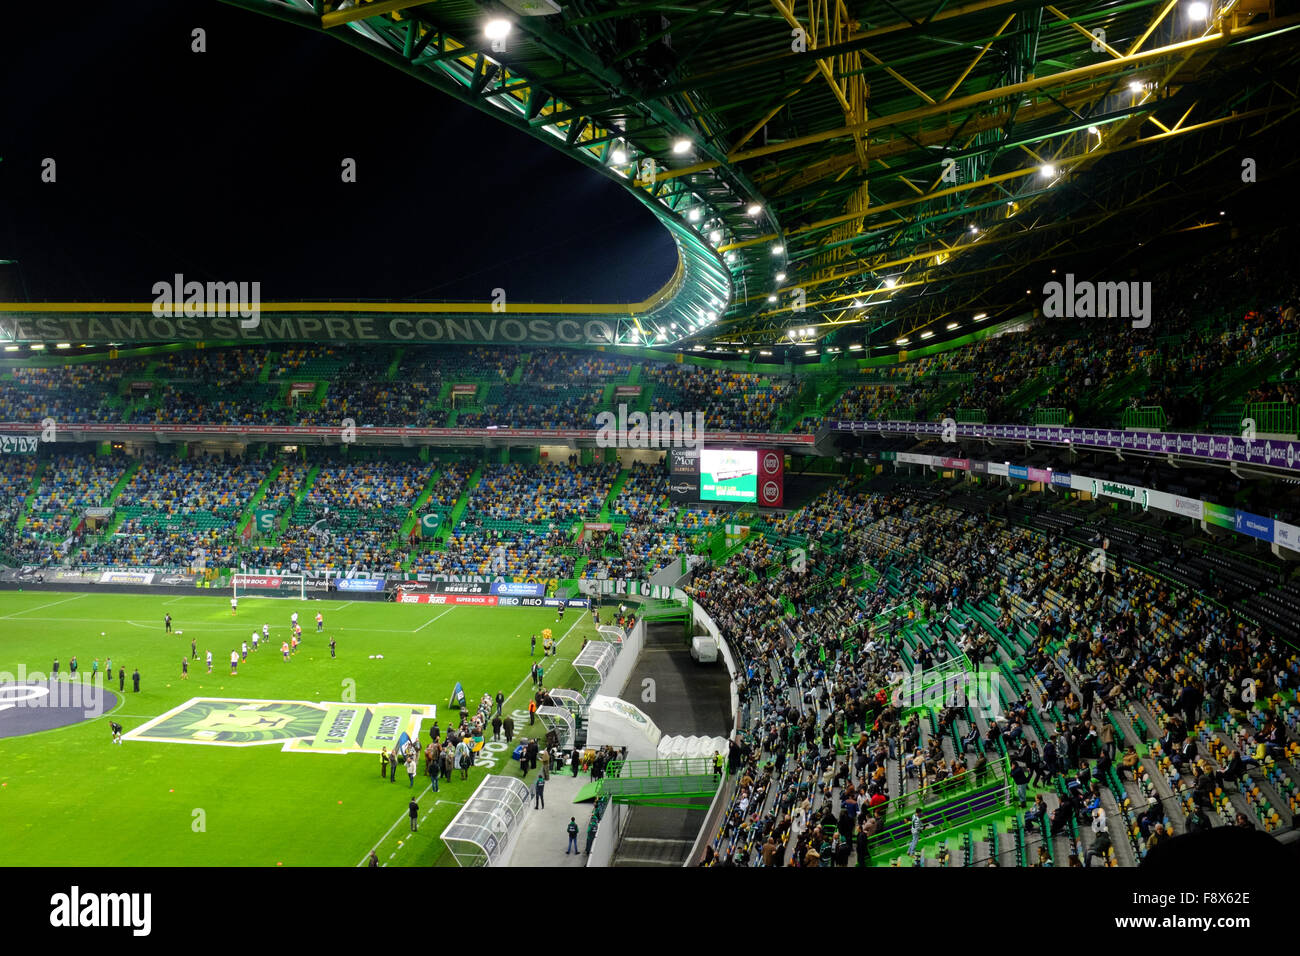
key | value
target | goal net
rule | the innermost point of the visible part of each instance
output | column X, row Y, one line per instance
column 269, row 585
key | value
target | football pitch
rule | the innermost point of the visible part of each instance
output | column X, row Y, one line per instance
column 70, row 797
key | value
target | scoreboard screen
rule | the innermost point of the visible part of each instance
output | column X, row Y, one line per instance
column 728, row 475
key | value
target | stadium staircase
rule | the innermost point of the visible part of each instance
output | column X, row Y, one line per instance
column 669, row 782
column 30, row 496
column 458, row 509
column 256, row 499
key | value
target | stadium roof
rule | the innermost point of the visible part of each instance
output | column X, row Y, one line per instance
column 854, row 168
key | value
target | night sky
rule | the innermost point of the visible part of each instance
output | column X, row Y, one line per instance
column 225, row 166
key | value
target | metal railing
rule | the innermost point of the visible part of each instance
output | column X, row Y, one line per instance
column 971, row 416
column 1150, row 417
column 1050, row 416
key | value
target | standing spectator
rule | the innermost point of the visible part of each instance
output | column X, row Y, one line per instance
column 414, row 809
column 410, row 770
column 135, row 680
column 539, row 793
column 572, row 829
column 383, row 762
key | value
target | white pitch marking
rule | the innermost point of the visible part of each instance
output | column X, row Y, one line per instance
column 432, row 619
column 41, row 607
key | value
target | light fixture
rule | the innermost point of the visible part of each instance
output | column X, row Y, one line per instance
column 1094, row 131
column 809, row 331
column 681, row 146
column 810, row 352
column 619, row 156
column 36, row 347
column 855, row 348
column 1048, row 170
column 890, row 282
column 975, row 230
column 953, row 325
column 792, row 333
column 496, row 29
column 1198, row 11
column 903, row 341
column 731, row 257
column 771, row 298
column 780, row 276
column 694, row 214
column 714, row 236
column 980, row 317
column 1136, row 86
column 64, row 345
column 11, row 348
column 754, row 209
column 927, row 335
column 778, row 249
column 764, row 352
column 857, row 304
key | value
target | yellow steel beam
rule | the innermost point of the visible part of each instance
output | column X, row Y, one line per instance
column 1209, row 41
column 1080, row 28
column 973, row 63
column 336, row 18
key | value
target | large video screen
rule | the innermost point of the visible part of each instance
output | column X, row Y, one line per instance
column 728, row 475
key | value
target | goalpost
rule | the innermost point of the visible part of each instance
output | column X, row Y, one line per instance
column 269, row 586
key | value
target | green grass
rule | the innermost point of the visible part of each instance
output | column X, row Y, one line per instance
column 72, row 798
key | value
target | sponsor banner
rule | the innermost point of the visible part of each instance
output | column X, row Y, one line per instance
column 1220, row 516
column 597, row 526
column 1190, row 507
column 1271, row 454
column 1040, row 474
column 126, row 577
column 1257, row 526
column 626, row 390
column 1081, row 483
column 176, row 580
column 464, row 389
column 462, row 587
column 520, row 589
column 998, row 468
column 1117, row 489
column 907, row 458
column 260, row 582
column 359, row 584
column 1019, row 472
column 1286, row 535
column 979, row 467
column 684, row 461
column 302, row 387
column 486, row 600
column 683, row 488
column 771, row 478
column 18, row 444
column 961, row 464
column 1061, row 479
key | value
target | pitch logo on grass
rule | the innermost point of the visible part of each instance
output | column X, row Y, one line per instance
column 34, row 690
column 976, row 689
column 76, row 909
column 653, row 430
column 1098, row 300
column 299, row 726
